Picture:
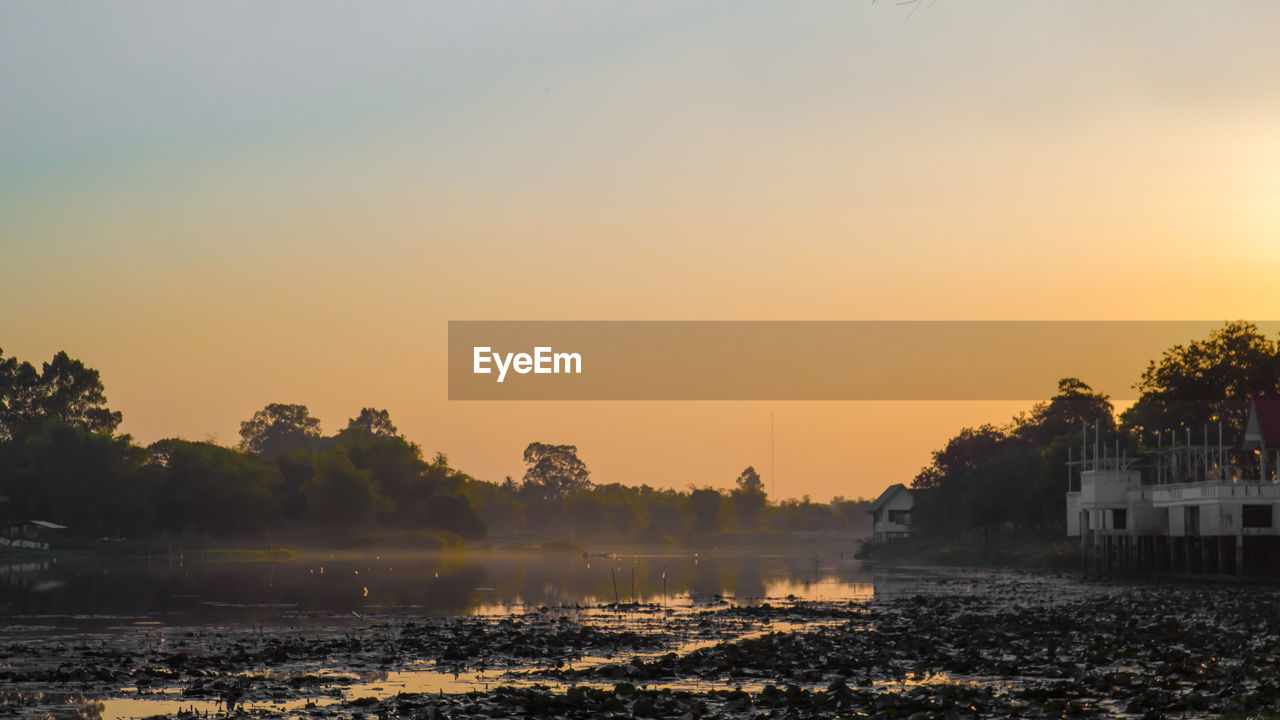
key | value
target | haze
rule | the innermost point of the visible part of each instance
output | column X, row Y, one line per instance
column 225, row 205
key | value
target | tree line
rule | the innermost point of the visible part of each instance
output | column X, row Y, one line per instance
column 1013, row 478
column 62, row 460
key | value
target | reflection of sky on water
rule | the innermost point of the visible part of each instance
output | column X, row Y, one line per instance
column 207, row 590
column 162, row 600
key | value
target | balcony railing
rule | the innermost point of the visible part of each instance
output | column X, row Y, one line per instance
column 1213, row 491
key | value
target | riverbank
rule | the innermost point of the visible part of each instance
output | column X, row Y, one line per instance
column 946, row 643
column 1050, row 554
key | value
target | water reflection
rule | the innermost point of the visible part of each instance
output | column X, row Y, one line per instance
column 209, row 588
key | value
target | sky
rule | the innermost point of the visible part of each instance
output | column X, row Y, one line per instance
column 223, row 205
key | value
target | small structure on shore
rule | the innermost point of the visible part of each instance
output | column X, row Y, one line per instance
column 30, row 534
column 1202, row 508
column 891, row 514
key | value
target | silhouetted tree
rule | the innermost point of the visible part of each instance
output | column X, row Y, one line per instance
column 496, row 505
column 749, row 499
column 1206, row 381
column 1001, row 486
column 373, row 422
column 85, row 480
column 943, row 487
column 397, row 468
column 211, row 489
column 446, row 505
column 340, row 493
column 704, row 504
column 554, row 470
column 1064, row 414
column 279, row 429
column 64, row 389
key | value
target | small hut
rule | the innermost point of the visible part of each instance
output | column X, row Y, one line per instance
column 31, row 534
column 891, row 514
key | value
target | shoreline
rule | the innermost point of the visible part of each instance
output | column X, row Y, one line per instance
column 940, row 641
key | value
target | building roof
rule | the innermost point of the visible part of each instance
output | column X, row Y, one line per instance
column 1263, row 426
column 886, row 496
column 48, row 525
column 38, row 523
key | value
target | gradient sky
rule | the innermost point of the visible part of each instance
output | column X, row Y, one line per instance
column 227, row 204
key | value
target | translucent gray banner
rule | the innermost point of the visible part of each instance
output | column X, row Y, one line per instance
column 846, row 360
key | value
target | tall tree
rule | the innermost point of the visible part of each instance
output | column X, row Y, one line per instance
column 748, row 499
column 948, row 483
column 85, row 480
column 1063, row 415
column 1206, row 381
column 397, row 468
column 373, row 422
column 555, row 471
column 213, row 489
column 64, row 390
column 704, row 506
column 279, row 429
column 339, row 493
column 962, row 456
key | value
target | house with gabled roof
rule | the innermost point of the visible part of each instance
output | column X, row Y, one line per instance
column 891, row 514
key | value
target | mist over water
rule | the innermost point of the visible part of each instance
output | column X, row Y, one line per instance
column 202, row 588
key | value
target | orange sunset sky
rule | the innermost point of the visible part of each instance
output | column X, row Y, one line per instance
column 224, row 205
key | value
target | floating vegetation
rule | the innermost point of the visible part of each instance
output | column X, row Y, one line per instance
column 944, row 645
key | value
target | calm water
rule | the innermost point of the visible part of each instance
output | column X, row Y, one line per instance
column 260, row 589
column 47, row 600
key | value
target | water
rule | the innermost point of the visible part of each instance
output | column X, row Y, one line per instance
column 152, row 603
column 267, row 589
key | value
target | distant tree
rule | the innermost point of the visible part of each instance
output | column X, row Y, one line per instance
column 555, row 471
column 446, row 505
column 279, row 429
column 945, row 486
column 495, row 505
column 998, row 492
column 704, row 505
column 90, row 482
column 961, row 456
column 852, row 515
column 396, row 466
column 455, row 514
column 18, row 382
column 1205, row 381
column 373, row 422
column 339, row 493
column 749, row 499
column 64, row 389
column 441, row 477
column 749, row 481
column 296, row 469
column 611, row 509
column 74, row 394
column 1064, row 414
column 215, row 490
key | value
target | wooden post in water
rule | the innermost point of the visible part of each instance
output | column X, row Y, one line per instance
column 613, row 574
